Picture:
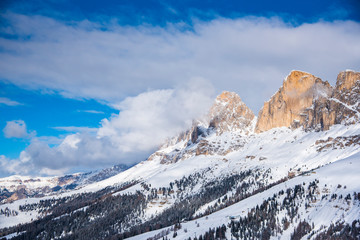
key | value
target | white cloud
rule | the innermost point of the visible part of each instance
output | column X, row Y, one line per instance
column 142, row 125
column 248, row 55
column 91, row 111
column 17, row 129
column 146, row 120
column 9, row 102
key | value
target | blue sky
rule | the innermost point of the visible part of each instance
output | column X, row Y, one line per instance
column 37, row 110
column 89, row 84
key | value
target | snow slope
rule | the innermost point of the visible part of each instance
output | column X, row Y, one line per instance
column 322, row 213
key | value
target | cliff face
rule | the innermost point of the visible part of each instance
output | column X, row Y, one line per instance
column 345, row 101
column 301, row 101
column 306, row 101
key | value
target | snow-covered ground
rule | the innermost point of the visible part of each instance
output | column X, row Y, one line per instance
column 281, row 150
column 322, row 212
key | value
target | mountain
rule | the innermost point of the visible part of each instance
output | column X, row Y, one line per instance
column 18, row 187
column 299, row 102
column 227, row 115
column 290, row 173
column 306, row 101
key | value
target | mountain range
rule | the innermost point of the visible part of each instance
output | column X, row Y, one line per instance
column 291, row 172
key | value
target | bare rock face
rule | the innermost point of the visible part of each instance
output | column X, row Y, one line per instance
column 301, row 101
column 346, row 80
column 345, row 102
column 229, row 113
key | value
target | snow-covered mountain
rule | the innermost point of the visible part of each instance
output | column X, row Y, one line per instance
column 18, row 187
column 290, row 173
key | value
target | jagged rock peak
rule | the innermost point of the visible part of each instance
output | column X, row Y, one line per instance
column 293, row 104
column 345, row 102
column 347, row 79
column 230, row 113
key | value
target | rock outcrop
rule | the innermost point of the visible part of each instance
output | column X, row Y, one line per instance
column 229, row 113
column 345, row 101
column 301, row 101
column 306, row 101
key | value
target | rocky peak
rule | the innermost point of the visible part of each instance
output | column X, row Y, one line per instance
column 229, row 113
column 299, row 102
column 346, row 80
column 345, row 102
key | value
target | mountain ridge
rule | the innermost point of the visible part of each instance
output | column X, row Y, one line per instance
column 304, row 101
column 222, row 178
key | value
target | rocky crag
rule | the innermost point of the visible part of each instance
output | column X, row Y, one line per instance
column 228, row 115
column 306, row 101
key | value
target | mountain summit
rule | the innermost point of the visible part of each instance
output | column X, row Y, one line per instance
column 229, row 113
column 299, row 102
column 306, row 101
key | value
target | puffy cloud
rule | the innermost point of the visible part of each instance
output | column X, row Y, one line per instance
column 143, row 124
column 9, row 102
column 249, row 55
column 146, row 120
column 17, row 129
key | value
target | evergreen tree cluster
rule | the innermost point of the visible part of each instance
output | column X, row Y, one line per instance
column 8, row 212
column 262, row 222
column 301, row 230
column 341, row 231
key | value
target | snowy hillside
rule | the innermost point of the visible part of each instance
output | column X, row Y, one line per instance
column 327, row 197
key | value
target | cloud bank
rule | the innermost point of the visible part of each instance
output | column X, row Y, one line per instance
column 249, row 55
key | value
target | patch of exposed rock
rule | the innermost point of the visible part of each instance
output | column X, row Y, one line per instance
column 337, row 143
